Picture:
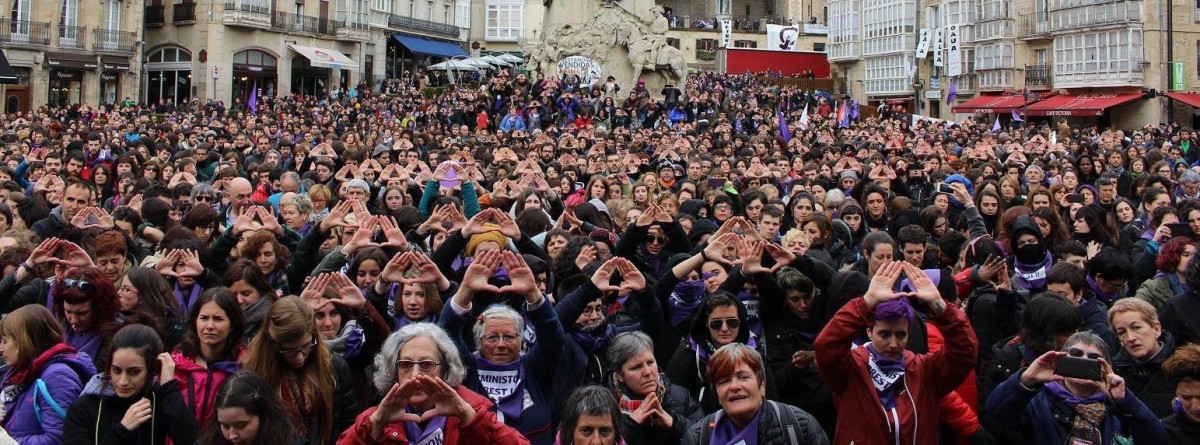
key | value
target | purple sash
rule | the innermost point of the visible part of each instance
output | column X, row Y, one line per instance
column 434, row 431
column 726, row 433
column 185, row 304
column 505, row 385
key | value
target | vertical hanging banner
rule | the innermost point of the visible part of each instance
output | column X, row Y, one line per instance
column 953, row 51
column 938, row 59
column 726, row 32
column 923, row 44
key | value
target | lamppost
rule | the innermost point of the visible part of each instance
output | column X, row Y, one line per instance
column 917, row 85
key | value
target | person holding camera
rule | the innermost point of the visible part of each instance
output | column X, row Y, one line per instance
column 1073, row 396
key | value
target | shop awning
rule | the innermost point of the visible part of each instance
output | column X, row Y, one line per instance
column 1005, row 103
column 324, row 58
column 1080, row 105
column 426, row 47
column 71, row 61
column 1192, row 99
column 114, row 63
column 7, row 75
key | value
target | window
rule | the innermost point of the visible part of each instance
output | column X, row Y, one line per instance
column 889, row 26
column 819, row 46
column 1103, row 58
column 888, row 75
column 993, row 10
column 674, row 42
column 112, row 15
column 745, row 44
column 383, row 5
column 995, row 56
column 505, row 20
column 68, row 33
column 462, row 13
column 706, row 49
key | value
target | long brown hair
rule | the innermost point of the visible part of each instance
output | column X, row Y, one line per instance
column 33, row 329
column 290, row 319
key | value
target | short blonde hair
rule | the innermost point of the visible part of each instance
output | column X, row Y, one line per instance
column 1146, row 310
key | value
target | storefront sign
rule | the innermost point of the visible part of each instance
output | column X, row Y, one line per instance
column 587, row 69
column 74, row 76
column 108, row 77
column 1178, row 77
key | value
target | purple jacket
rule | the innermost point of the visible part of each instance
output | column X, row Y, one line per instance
column 64, row 371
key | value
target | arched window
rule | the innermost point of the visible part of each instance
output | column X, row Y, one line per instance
column 168, row 75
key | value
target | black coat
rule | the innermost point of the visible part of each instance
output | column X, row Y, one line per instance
column 1181, row 317
column 100, row 415
column 772, row 428
column 1147, row 380
column 683, row 411
column 1181, row 430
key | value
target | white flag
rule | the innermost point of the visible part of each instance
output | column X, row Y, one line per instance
column 923, row 44
column 953, row 51
column 937, row 46
column 804, row 118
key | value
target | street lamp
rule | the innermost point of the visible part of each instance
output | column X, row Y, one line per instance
column 917, row 85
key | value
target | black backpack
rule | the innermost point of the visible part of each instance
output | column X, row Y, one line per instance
column 787, row 419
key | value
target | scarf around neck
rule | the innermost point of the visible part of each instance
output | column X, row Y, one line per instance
column 432, row 433
column 629, row 401
column 1032, row 276
column 1089, row 411
column 1107, row 298
column 724, row 432
column 504, row 385
column 885, row 372
column 592, row 339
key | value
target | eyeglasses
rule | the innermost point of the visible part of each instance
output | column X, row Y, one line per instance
column 82, row 285
column 423, row 365
column 1078, row 353
column 733, row 323
column 496, row 338
column 655, row 239
column 304, row 350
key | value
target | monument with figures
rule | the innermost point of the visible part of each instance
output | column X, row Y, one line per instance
column 594, row 39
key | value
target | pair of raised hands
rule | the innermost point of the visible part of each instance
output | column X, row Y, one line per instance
column 102, row 219
column 882, row 288
column 180, row 263
column 252, row 215
column 59, row 252
column 365, row 233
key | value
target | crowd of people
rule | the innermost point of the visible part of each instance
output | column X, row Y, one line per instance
column 532, row 261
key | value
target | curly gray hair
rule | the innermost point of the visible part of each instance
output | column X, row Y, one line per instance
column 453, row 370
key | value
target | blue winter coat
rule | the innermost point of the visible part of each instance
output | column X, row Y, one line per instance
column 1044, row 419
column 64, row 371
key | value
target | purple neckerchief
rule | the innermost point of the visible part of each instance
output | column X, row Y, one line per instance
column 684, row 301
column 594, row 340
column 1108, row 299
column 750, row 300
column 403, row 320
column 462, row 263
column 185, row 304
column 492, row 381
column 726, row 433
column 887, row 396
column 434, row 429
column 1177, row 407
column 1032, row 276
column 1061, row 392
column 353, row 342
column 84, row 342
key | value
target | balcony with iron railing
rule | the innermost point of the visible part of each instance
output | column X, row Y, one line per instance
column 1079, row 18
column 184, row 13
column 409, row 24
column 1038, row 76
column 114, row 41
column 155, row 15
column 24, row 33
column 1033, row 26
column 72, row 37
column 248, row 13
column 288, row 22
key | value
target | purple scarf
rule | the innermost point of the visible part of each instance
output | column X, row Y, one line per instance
column 1108, row 299
column 185, row 304
column 592, row 341
column 726, row 433
column 432, row 433
column 750, row 300
column 504, row 385
column 1062, row 393
column 884, row 374
column 1032, row 276
column 684, row 301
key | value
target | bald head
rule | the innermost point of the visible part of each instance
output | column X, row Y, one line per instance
column 239, row 190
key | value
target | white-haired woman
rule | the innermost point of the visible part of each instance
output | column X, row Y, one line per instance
column 521, row 385
column 421, row 373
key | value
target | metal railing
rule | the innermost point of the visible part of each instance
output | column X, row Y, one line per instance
column 422, row 26
column 184, row 12
column 1038, row 75
column 112, row 40
column 155, row 15
column 72, row 37
column 288, row 22
column 1033, row 25
column 255, row 6
column 24, row 32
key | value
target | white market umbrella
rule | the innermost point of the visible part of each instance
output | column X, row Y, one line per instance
column 496, row 61
column 510, row 58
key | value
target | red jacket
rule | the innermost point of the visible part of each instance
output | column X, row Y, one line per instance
column 927, row 378
column 485, row 429
column 958, row 407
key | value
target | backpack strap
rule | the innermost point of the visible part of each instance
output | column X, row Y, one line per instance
column 788, row 421
column 706, row 426
column 40, row 388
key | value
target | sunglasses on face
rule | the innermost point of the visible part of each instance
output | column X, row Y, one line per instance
column 203, row 198
column 716, row 324
column 1078, row 353
column 656, row 239
column 82, row 285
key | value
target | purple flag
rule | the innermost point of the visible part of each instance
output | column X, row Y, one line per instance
column 783, row 126
column 953, row 94
column 996, row 126
column 253, row 101
column 854, row 110
column 1016, row 117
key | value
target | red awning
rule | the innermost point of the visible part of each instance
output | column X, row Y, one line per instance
column 1192, row 99
column 991, row 104
column 1081, row 105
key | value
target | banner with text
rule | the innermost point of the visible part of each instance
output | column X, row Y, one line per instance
column 938, row 34
column 953, row 51
column 923, row 44
column 726, row 33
